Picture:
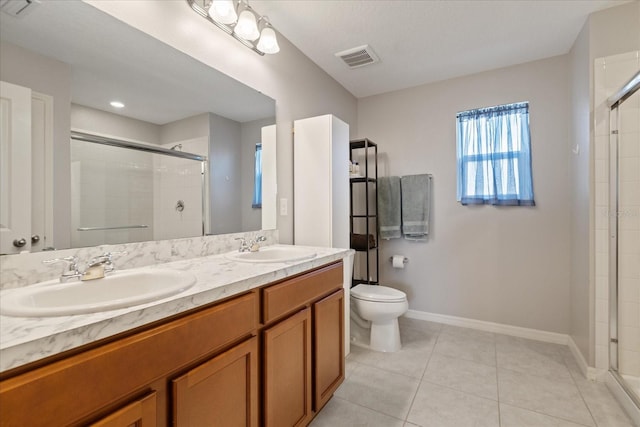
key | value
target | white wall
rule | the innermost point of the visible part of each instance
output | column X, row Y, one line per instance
column 301, row 89
column 104, row 123
column 250, row 135
column 579, row 172
column 502, row 264
column 187, row 128
column 224, row 175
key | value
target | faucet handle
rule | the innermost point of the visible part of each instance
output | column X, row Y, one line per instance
column 71, row 269
column 244, row 246
column 106, row 259
column 254, row 243
column 72, row 261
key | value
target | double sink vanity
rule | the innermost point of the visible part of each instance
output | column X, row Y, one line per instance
column 232, row 339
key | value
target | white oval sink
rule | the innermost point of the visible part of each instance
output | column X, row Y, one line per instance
column 274, row 254
column 116, row 290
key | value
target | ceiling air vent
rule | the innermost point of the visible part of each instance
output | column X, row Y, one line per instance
column 18, row 8
column 358, row 56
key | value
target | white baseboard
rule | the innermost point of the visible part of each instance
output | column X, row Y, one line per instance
column 516, row 331
column 591, row 373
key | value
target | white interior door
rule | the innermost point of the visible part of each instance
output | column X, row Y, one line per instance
column 15, row 168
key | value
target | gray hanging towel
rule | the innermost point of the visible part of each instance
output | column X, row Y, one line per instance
column 389, row 207
column 416, row 194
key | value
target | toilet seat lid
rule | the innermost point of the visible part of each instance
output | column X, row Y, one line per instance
column 377, row 293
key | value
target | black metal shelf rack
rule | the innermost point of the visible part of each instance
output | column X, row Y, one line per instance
column 370, row 216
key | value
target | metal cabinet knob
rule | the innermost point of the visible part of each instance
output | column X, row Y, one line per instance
column 35, row 239
column 19, row 243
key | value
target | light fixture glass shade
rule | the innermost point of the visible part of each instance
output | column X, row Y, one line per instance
column 247, row 28
column 268, row 42
column 223, row 11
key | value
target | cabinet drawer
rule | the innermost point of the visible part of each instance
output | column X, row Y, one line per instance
column 88, row 382
column 291, row 294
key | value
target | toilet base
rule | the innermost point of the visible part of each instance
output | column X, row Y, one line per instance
column 385, row 336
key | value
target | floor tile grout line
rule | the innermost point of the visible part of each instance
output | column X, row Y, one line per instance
column 370, row 409
column 406, row 418
column 586, row 404
column 537, row 376
column 459, row 391
column 495, row 354
column 595, row 422
column 390, row 371
column 547, row 415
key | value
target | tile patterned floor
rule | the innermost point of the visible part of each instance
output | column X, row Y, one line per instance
column 446, row 376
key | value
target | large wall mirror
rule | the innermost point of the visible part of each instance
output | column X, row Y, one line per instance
column 212, row 166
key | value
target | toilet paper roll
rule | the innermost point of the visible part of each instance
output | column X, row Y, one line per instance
column 398, row 261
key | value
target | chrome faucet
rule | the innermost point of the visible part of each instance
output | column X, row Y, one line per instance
column 96, row 268
column 253, row 245
column 71, row 271
column 100, row 265
column 244, row 246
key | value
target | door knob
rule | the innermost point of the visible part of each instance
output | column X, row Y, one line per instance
column 19, row 243
column 35, row 239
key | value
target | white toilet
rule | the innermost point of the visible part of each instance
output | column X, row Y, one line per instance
column 374, row 317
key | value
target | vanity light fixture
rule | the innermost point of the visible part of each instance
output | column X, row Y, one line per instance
column 241, row 22
column 116, row 104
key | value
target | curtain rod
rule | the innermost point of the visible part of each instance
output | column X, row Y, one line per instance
column 81, row 136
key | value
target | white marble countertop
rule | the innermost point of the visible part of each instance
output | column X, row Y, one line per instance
column 27, row 339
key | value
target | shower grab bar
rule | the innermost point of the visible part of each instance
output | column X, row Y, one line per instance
column 122, row 227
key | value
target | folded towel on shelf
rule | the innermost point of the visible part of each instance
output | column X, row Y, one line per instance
column 362, row 242
column 416, row 194
column 389, row 216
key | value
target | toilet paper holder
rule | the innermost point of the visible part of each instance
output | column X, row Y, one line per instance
column 405, row 260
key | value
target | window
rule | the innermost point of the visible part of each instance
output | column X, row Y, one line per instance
column 257, row 180
column 494, row 156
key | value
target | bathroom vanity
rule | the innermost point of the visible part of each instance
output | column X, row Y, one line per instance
column 268, row 350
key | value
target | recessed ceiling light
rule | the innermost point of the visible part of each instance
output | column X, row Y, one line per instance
column 117, row 104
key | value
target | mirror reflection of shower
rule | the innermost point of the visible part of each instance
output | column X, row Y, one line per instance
column 122, row 194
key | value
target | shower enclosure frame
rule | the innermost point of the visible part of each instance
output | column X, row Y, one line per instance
column 614, row 102
column 96, row 139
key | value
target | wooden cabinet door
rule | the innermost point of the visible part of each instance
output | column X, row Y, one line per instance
column 141, row 413
column 287, row 372
column 221, row 392
column 328, row 347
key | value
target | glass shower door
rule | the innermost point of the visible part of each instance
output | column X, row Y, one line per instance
column 625, row 136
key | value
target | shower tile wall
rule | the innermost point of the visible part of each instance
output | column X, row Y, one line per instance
column 610, row 74
column 110, row 187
